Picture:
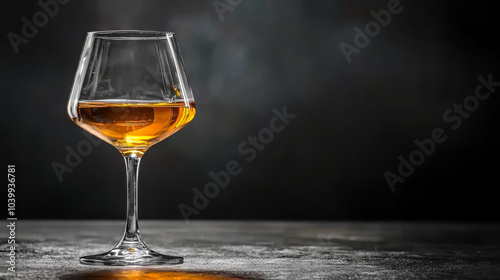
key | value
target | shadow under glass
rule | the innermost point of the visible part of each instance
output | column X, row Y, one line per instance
column 151, row 274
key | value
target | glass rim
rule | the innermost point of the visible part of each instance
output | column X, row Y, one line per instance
column 130, row 34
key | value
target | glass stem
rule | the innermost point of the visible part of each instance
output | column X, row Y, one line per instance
column 131, row 234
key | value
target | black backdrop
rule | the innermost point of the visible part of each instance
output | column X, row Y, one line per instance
column 245, row 58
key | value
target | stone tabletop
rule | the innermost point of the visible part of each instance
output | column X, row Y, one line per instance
column 262, row 250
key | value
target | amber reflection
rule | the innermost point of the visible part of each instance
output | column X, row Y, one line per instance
column 150, row 274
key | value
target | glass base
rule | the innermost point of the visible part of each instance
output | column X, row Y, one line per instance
column 134, row 253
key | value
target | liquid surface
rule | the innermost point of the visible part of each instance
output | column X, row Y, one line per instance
column 133, row 127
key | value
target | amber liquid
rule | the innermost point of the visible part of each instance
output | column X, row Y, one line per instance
column 133, row 127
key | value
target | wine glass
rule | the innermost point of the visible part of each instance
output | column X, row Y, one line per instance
column 131, row 90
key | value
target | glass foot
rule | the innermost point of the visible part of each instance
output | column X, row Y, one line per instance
column 135, row 253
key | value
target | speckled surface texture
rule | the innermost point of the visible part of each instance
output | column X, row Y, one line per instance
column 263, row 250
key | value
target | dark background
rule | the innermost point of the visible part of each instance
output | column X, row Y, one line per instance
column 353, row 120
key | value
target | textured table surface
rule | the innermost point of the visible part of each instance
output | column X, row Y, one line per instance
column 263, row 250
